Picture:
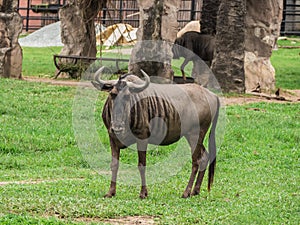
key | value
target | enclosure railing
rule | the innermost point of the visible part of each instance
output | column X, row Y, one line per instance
column 117, row 11
column 291, row 18
column 36, row 16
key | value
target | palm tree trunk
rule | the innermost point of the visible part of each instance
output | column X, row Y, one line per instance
column 158, row 28
column 10, row 50
column 228, row 64
column 208, row 20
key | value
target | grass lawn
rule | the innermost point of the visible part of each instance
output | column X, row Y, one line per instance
column 45, row 177
column 39, row 61
column 257, row 177
column 287, row 64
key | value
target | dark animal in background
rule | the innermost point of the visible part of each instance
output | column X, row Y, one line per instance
column 130, row 116
column 277, row 93
column 195, row 44
column 257, row 88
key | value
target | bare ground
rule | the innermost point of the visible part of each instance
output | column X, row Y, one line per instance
column 285, row 95
column 126, row 220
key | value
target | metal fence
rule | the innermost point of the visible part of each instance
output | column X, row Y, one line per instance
column 291, row 18
column 126, row 11
column 38, row 13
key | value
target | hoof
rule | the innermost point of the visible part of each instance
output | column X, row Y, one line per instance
column 143, row 196
column 195, row 192
column 144, row 192
column 185, row 195
column 109, row 195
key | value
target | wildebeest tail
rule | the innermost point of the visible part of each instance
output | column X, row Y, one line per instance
column 213, row 148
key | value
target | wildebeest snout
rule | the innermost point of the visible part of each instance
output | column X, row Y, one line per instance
column 118, row 127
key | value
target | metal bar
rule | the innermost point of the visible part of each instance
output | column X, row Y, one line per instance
column 290, row 33
column 193, row 6
column 292, row 5
column 124, row 9
column 27, row 16
column 292, row 14
column 287, row 10
column 89, row 58
column 121, row 11
column 291, row 21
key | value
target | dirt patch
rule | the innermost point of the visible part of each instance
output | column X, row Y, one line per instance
column 23, row 182
column 56, row 81
column 129, row 220
column 126, row 220
column 286, row 95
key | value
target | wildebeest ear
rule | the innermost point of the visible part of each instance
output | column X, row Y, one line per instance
column 104, row 86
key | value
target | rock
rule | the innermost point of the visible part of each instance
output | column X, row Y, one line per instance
column 259, row 69
column 263, row 21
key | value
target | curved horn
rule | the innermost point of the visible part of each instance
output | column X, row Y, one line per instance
column 103, row 85
column 133, row 87
column 97, row 75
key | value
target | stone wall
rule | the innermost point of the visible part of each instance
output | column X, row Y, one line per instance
column 263, row 20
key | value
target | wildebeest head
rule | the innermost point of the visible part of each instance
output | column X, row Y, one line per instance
column 119, row 100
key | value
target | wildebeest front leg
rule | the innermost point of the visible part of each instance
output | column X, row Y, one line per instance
column 115, row 153
column 142, row 152
column 185, row 62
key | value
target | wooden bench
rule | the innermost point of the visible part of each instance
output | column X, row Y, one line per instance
column 76, row 63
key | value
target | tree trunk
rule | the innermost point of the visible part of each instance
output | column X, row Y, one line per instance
column 208, row 22
column 228, row 64
column 10, row 49
column 78, row 28
column 158, row 29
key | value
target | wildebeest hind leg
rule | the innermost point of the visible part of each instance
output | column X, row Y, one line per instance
column 196, row 155
column 185, row 62
column 201, row 173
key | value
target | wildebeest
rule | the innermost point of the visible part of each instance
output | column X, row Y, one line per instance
column 194, row 44
column 190, row 26
column 184, row 110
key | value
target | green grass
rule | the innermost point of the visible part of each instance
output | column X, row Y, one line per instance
column 287, row 65
column 291, row 42
column 257, row 177
column 39, row 61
